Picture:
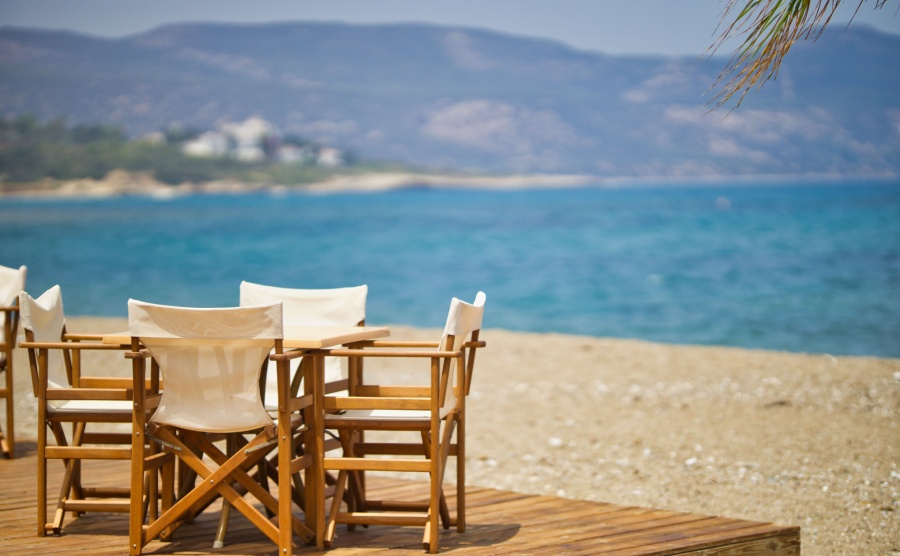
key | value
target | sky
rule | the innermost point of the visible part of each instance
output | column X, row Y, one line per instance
column 671, row 27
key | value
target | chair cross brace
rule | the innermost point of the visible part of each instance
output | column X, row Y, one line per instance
column 213, row 481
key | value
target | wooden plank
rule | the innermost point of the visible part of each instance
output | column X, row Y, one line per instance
column 706, row 539
column 646, row 530
column 584, row 530
column 787, row 545
column 498, row 522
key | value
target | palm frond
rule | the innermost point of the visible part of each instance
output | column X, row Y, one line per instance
column 769, row 29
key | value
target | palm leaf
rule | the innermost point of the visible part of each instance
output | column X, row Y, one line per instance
column 769, row 29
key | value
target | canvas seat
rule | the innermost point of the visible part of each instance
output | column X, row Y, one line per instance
column 12, row 281
column 431, row 411
column 67, row 394
column 210, row 361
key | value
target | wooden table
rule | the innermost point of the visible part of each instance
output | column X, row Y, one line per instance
column 299, row 337
column 303, row 338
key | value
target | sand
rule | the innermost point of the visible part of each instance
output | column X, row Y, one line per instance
column 794, row 439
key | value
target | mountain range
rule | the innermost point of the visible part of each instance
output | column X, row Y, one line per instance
column 474, row 100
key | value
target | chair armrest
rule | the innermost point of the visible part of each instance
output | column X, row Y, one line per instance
column 106, row 382
column 9, row 309
column 405, row 344
column 142, row 354
column 288, row 355
column 384, row 353
column 399, row 344
column 112, row 383
column 69, row 345
column 89, row 393
column 77, row 336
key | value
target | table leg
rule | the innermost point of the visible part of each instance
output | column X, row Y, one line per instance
column 319, row 466
column 308, row 368
column 285, row 455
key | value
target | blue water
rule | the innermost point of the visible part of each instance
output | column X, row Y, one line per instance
column 807, row 268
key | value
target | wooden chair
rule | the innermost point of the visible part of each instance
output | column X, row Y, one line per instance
column 12, row 281
column 310, row 307
column 432, row 410
column 210, row 361
column 305, row 307
column 67, row 395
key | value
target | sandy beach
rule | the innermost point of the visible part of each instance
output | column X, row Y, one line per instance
column 795, row 439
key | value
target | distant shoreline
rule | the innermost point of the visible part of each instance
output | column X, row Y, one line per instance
column 122, row 183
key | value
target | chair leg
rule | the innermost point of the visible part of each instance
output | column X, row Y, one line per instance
column 335, row 508
column 460, row 486
column 430, row 538
column 64, row 492
column 443, row 508
column 223, row 525
column 42, row 481
column 151, row 495
column 136, row 510
column 8, row 440
column 168, row 496
column 59, row 515
column 353, row 493
column 341, row 483
column 447, row 437
column 231, row 447
column 76, row 492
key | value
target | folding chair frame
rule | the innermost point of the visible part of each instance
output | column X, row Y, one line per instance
column 7, row 344
column 218, row 481
column 436, row 440
column 74, row 496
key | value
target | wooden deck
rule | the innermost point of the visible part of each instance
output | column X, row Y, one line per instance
column 499, row 522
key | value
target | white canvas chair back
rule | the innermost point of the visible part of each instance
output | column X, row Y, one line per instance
column 45, row 319
column 463, row 319
column 310, row 307
column 210, row 360
column 12, row 282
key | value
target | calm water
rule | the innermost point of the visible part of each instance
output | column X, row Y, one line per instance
column 800, row 268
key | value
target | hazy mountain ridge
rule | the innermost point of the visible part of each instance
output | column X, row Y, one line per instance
column 464, row 98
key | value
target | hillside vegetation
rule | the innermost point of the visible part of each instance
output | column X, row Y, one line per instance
column 31, row 150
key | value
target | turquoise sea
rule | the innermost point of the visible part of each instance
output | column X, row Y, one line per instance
column 805, row 268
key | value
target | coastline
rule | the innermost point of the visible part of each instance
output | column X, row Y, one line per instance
column 122, row 183
column 797, row 439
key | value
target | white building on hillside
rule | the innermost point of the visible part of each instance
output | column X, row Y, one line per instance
column 248, row 137
column 249, row 140
column 330, row 157
column 211, row 144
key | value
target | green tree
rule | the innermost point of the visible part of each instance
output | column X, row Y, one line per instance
column 769, row 29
